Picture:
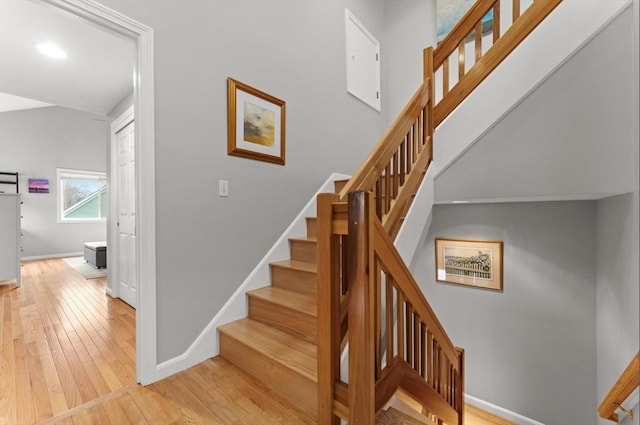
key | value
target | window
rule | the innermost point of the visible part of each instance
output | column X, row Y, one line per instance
column 82, row 196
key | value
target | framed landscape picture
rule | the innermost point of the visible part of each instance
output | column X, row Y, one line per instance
column 469, row 262
column 255, row 123
column 38, row 185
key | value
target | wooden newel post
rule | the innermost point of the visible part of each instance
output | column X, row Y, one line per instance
column 328, row 309
column 361, row 313
column 427, row 63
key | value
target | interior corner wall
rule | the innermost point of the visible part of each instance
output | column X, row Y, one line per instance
column 618, row 259
column 34, row 142
column 207, row 245
column 409, row 27
column 618, row 290
column 530, row 349
column 122, row 106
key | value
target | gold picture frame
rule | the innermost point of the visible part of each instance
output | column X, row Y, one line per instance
column 469, row 262
column 255, row 123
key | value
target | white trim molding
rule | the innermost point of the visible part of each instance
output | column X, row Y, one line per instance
column 499, row 411
column 102, row 16
column 49, row 256
column 206, row 345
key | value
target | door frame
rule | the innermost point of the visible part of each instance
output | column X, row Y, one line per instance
column 113, row 240
column 145, row 246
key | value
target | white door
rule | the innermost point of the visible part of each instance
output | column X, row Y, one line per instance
column 363, row 62
column 126, row 220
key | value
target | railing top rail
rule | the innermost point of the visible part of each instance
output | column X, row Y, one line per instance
column 500, row 49
column 403, row 277
column 459, row 32
column 628, row 381
column 366, row 175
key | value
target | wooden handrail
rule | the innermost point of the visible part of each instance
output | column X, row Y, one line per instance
column 374, row 165
column 403, row 279
column 628, row 381
column 423, row 361
column 367, row 298
column 521, row 27
column 461, row 30
column 359, row 267
column 395, row 167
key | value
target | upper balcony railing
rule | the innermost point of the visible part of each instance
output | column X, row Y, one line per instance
column 475, row 46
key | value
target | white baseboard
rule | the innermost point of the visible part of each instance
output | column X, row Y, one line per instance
column 206, row 345
column 499, row 411
column 50, row 256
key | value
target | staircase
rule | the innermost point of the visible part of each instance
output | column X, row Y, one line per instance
column 277, row 341
column 346, row 283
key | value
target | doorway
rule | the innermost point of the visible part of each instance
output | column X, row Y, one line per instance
column 144, row 268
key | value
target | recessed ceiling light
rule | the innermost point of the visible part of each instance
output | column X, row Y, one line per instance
column 51, row 50
column 459, row 202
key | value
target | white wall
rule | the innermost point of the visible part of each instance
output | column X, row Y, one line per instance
column 530, row 349
column 34, row 142
column 409, row 27
column 570, row 138
column 618, row 301
column 207, row 245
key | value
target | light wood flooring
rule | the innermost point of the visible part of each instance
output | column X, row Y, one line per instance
column 63, row 342
column 211, row 393
column 67, row 355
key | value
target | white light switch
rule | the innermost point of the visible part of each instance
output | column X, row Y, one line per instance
column 223, row 188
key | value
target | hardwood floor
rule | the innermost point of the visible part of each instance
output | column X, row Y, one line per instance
column 213, row 392
column 67, row 354
column 63, row 342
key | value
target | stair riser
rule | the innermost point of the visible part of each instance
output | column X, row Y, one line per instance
column 297, row 389
column 288, row 320
column 339, row 184
column 302, row 250
column 294, row 280
column 312, row 231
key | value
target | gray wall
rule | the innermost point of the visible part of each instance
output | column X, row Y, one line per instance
column 618, row 300
column 532, row 348
column 294, row 50
column 572, row 137
column 625, row 420
column 409, row 27
column 35, row 142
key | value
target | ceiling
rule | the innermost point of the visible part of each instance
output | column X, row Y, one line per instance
column 95, row 76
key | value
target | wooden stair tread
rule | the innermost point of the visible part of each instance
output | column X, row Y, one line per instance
column 304, row 266
column 303, row 239
column 283, row 297
column 281, row 347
